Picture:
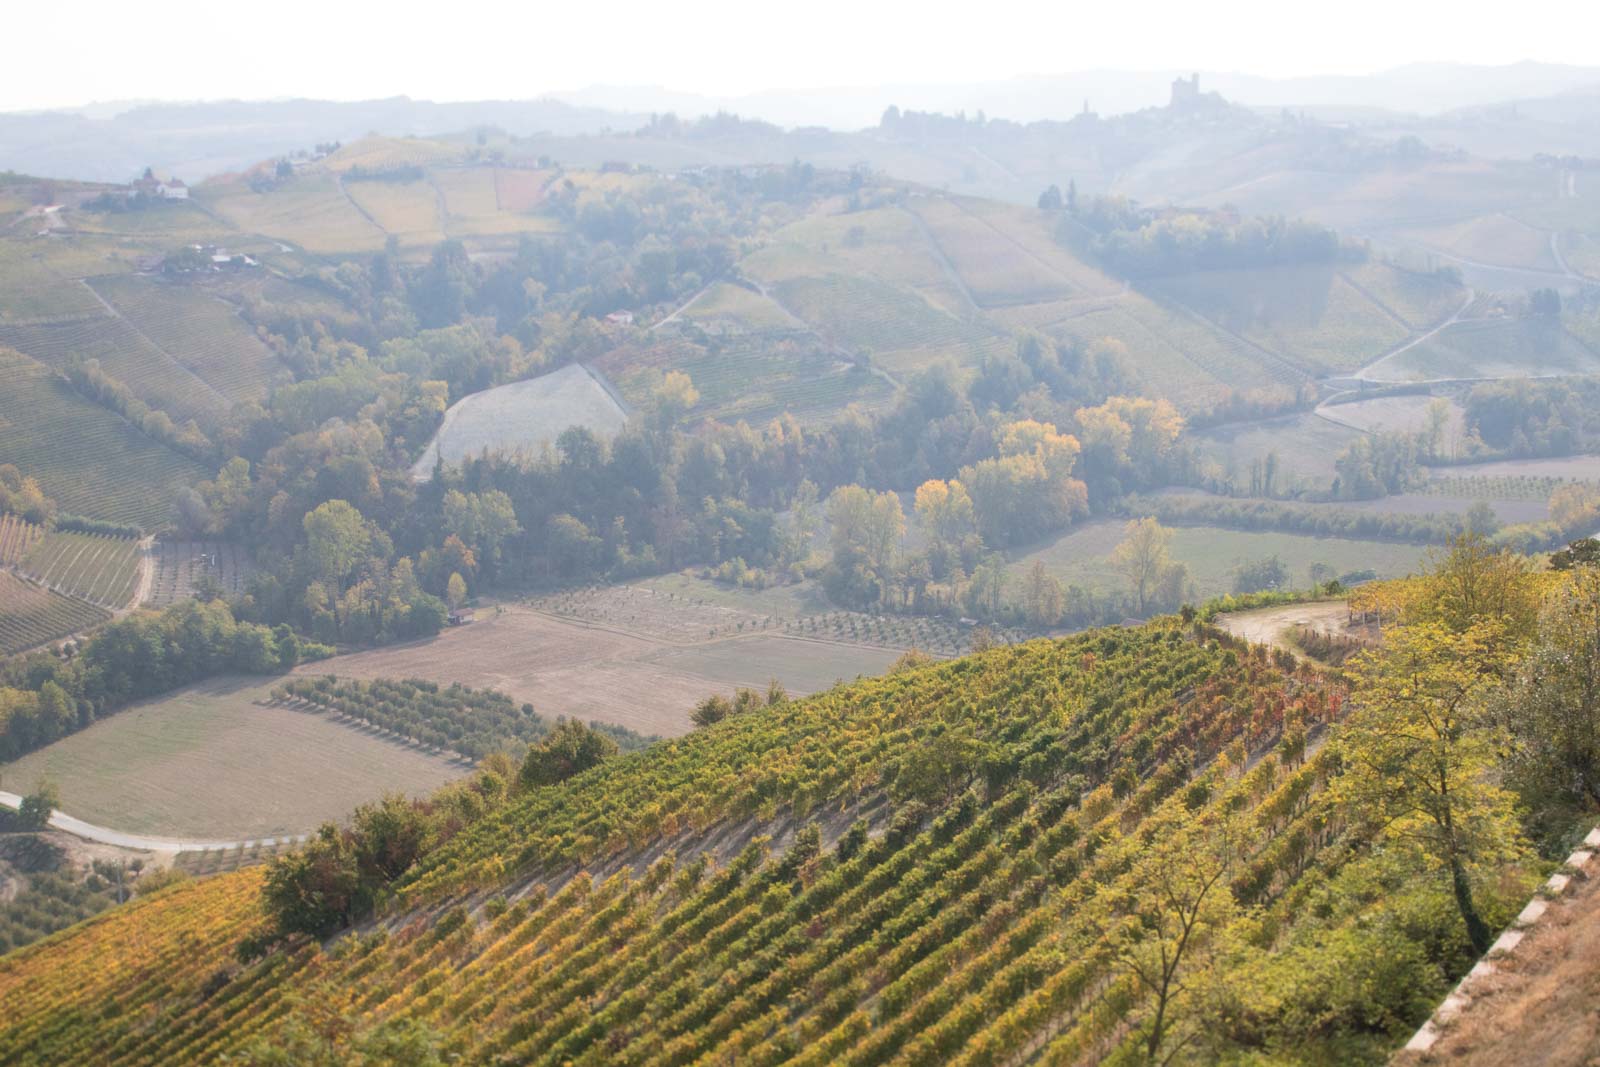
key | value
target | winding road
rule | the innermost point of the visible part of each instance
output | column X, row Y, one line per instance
column 90, row 832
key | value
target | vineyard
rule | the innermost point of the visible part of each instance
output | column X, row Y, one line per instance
column 89, row 460
column 16, row 537
column 200, row 332
column 471, row 723
column 149, row 373
column 182, row 568
column 31, row 615
column 1011, row 814
column 102, row 570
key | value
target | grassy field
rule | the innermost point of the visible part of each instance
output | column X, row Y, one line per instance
column 208, row 762
column 739, row 307
column 101, row 570
column 1495, row 238
column 36, row 286
column 388, row 153
column 200, row 332
column 1309, row 314
column 87, row 459
column 408, row 211
column 994, row 268
column 1491, row 349
column 524, row 415
column 31, row 615
column 1306, row 446
column 1211, row 554
column 1396, row 414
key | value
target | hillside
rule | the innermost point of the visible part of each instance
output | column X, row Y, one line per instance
column 939, row 866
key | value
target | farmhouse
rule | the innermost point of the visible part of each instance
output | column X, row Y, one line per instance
column 149, row 185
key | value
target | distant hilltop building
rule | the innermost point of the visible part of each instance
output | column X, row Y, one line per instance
column 149, row 185
column 1187, row 97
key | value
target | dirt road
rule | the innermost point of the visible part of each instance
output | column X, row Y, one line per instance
column 1267, row 626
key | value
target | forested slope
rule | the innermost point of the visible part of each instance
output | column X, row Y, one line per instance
column 1043, row 821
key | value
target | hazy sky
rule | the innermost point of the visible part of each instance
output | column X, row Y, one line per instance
column 65, row 54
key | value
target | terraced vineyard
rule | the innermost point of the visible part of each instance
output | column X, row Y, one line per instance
column 87, row 459
column 17, row 535
column 102, row 570
column 182, row 566
column 200, row 332
column 973, row 913
column 32, row 615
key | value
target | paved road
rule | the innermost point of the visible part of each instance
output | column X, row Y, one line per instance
column 89, row 832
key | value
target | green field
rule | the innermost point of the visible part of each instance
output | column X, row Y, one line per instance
column 87, row 459
column 31, row 615
column 102, row 570
column 208, row 762
column 1212, row 553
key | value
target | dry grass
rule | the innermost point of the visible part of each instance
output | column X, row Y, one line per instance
column 1539, row 1007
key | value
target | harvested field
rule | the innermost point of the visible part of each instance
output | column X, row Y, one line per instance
column 647, row 684
column 208, row 762
column 523, row 416
column 180, row 567
column 32, row 615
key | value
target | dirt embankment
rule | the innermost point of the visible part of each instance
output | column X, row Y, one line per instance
column 1540, row 1004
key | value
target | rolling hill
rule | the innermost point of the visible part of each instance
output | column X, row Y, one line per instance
column 938, row 866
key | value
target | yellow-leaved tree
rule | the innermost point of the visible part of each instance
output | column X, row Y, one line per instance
column 1419, row 753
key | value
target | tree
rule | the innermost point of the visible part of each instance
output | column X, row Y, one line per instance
column 1179, row 907
column 1044, row 597
column 1581, row 553
column 36, row 808
column 1472, row 581
column 1553, row 711
column 1145, row 552
column 945, row 510
column 337, row 538
column 455, row 591
column 1419, row 751
column 570, row 749
column 713, row 709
